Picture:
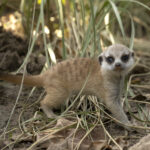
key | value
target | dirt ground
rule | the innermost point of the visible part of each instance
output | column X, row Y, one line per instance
column 13, row 50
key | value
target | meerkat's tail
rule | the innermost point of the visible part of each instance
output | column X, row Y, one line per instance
column 35, row 80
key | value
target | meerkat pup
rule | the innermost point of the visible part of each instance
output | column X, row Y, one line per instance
column 102, row 77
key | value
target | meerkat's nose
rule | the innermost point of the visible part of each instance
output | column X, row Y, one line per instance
column 118, row 65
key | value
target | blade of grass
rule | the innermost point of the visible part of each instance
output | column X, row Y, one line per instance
column 83, row 14
column 14, row 107
column 108, row 28
column 137, row 2
column 115, row 9
column 30, row 49
column 93, row 24
column 99, row 26
column 43, row 31
column 60, row 8
column 132, row 34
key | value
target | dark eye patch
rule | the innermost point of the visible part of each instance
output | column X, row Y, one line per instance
column 100, row 59
column 125, row 57
column 110, row 59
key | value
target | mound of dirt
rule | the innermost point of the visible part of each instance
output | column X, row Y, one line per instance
column 13, row 50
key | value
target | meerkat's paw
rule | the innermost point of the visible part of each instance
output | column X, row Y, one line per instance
column 50, row 114
column 130, row 127
column 125, row 124
column 48, row 111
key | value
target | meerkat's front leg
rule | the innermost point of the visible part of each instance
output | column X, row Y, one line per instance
column 114, row 105
column 117, row 111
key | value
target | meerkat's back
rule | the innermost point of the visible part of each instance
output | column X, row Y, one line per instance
column 73, row 74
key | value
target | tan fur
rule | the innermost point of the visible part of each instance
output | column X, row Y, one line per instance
column 68, row 77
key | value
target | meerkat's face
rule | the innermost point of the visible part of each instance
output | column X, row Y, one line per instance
column 117, row 58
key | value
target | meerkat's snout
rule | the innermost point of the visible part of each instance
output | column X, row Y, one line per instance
column 118, row 66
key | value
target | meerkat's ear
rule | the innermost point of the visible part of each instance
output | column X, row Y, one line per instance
column 100, row 58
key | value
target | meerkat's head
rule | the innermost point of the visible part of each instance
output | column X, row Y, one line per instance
column 117, row 58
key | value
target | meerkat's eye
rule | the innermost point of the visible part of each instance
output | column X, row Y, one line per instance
column 125, row 57
column 110, row 59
